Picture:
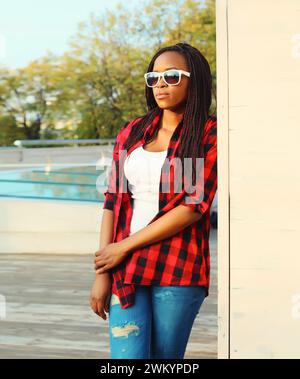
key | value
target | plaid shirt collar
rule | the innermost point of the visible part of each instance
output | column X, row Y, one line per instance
column 154, row 124
column 149, row 131
column 175, row 138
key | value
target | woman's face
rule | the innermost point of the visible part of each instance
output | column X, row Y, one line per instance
column 176, row 95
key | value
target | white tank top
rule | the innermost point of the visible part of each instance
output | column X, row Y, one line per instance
column 142, row 169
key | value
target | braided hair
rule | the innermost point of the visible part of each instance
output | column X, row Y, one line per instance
column 197, row 107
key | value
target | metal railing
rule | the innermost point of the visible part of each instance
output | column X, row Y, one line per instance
column 76, row 142
column 21, row 144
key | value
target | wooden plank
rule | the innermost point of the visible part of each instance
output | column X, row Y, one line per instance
column 48, row 313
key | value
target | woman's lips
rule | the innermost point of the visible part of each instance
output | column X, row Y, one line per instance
column 161, row 96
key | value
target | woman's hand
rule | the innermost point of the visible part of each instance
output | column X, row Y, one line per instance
column 100, row 295
column 109, row 256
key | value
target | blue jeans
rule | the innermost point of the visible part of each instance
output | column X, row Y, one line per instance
column 157, row 326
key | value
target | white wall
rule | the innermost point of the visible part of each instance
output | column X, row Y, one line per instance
column 50, row 226
column 258, row 114
column 12, row 158
column 41, row 226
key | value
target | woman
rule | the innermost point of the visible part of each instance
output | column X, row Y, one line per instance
column 153, row 265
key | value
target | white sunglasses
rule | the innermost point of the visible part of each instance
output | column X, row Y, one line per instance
column 171, row 77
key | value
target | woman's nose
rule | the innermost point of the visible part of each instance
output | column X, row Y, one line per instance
column 160, row 81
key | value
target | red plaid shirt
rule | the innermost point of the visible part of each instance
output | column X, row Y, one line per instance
column 182, row 259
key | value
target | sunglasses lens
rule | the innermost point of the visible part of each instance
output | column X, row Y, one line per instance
column 151, row 79
column 172, row 77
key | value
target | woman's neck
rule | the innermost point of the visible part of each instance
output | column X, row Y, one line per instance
column 170, row 119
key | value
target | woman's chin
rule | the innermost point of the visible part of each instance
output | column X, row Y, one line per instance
column 164, row 105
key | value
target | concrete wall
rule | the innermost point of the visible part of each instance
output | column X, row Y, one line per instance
column 50, row 226
column 258, row 66
column 12, row 158
column 41, row 226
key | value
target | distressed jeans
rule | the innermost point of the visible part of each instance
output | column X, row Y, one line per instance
column 157, row 325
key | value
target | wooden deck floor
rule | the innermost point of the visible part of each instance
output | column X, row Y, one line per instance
column 48, row 313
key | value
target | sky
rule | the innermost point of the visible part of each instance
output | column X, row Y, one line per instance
column 30, row 28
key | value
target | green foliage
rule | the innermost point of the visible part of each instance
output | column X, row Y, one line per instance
column 9, row 131
column 98, row 84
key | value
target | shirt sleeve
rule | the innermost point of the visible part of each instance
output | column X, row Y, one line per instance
column 210, row 173
column 111, row 191
column 109, row 200
column 113, row 181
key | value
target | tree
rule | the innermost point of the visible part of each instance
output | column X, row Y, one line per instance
column 98, row 84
